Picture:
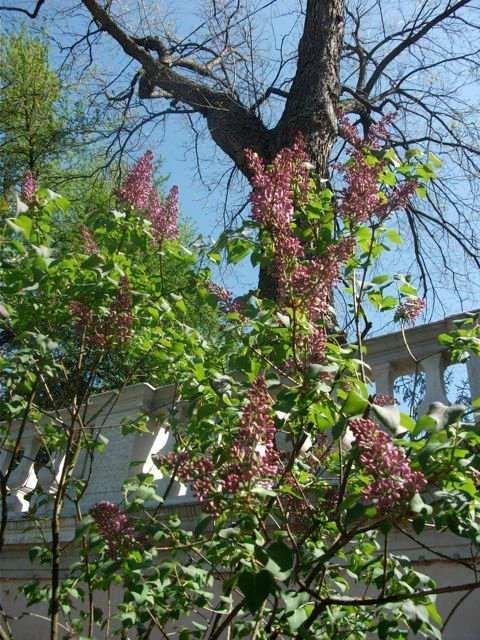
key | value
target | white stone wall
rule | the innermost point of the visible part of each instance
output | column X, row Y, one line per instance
column 123, row 457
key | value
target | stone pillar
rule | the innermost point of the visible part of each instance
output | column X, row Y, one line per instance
column 23, row 480
column 473, row 368
column 433, row 366
column 384, row 378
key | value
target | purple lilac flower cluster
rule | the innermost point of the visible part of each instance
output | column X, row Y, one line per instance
column 136, row 188
column 277, row 189
column 164, row 215
column 409, row 310
column 89, row 243
column 29, row 188
column 383, row 400
column 225, row 298
column 394, row 482
column 115, row 527
column 252, row 456
column 138, row 191
column 116, row 326
column 362, row 198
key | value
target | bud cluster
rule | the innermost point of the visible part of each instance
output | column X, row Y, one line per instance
column 89, row 243
column 115, row 527
column 303, row 282
column 117, row 326
column 139, row 191
column 362, row 198
column 394, row 482
column 409, row 310
column 29, row 188
column 225, row 297
column 252, row 456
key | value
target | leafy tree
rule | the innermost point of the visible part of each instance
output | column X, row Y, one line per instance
column 252, row 75
column 293, row 542
column 44, row 128
column 32, row 130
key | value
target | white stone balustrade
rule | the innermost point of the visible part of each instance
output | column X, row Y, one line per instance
column 389, row 358
column 127, row 455
column 124, row 456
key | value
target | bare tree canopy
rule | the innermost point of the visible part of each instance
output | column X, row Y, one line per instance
column 257, row 72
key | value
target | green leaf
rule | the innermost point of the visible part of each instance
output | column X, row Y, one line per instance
column 356, row 401
column 389, row 416
column 407, row 290
column 435, row 161
column 421, row 191
column 393, row 236
column 445, row 415
column 237, row 249
column 425, row 172
column 21, row 224
column 214, row 256
column 407, row 422
column 414, row 153
column 381, row 279
column 424, row 423
column 256, row 587
column 280, row 560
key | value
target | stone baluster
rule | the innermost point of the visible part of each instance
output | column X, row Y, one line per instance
column 473, row 369
column 23, row 479
column 384, row 378
column 159, row 442
column 433, row 366
column 4, row 460
column 47, row 480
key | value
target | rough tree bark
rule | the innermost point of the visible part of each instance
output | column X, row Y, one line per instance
column 309, row 108
column 420, row 60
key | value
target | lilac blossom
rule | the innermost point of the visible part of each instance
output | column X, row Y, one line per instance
column 117, row 326
column 29, row 188
column 393, row 480
column 164, row 215
column 137, row 186
column 252, row 456
column 89, row 243
column 409, row 310
column 114, row 526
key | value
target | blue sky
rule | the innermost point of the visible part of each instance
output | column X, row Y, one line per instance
column 203, row 204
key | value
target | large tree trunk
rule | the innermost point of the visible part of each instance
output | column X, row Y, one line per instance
column 313, row 98
column 309, row 108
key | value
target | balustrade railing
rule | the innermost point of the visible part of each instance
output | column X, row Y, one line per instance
column 126, row 454
column 414, row 351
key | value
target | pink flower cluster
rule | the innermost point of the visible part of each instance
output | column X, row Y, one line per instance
column 409, row 310
column 224, row 296
column 317, row 344
column 383, row 400
column 252, row 456
column 362, row 197
column 29, row 188
column 311, row 281
column 89, row 243
column 394, row 482
column 164, row 215
column 277, row 188
column 115, row 527
column 117, row 326
column 136, row 188
column 138, row 191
